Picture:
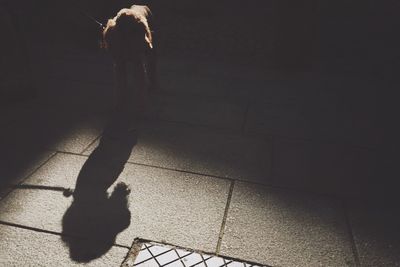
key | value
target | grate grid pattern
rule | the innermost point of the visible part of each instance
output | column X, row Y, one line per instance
column 157, row 255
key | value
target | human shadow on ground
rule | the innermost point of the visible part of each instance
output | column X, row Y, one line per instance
column 95, row 217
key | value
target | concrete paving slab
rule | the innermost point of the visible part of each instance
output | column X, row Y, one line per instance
column 182, row 77
column 75, row 94
column 79, row 137
column 284, row 228
column 55, row 129
column 211, row 78
column 375, row 228
column 176, row 207
column 17, row 168
column 21, row 148
column 36, row 162
column 284, row 88
column 322, row 167
column 21, row 247
column 193, row 77
column 80, row 67
column 293, row 120
column 205, row 111
column 201, row 151
column 14, row 113
column 319, row 108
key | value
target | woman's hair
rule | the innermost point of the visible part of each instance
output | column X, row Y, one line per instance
column 128, row 32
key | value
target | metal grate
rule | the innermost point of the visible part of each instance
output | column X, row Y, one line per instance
column 149, row 254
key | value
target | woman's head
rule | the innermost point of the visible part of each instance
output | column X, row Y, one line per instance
column 127, row 35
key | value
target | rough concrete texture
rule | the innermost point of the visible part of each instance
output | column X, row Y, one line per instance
column 81, row 95
column 42, row 209
column 285, row 229
column 40, row 159
column 220, row 114
column 79, row 137
column 62, row 171
column 15, row 174
column 293, row 119
column 375, row 229
column 13, row 113
column 196, row 79
column 21, row 247
column 210, row 78
column 322, row 167
column 90, row 66
column 179, row 208
column 160, row 200
column 297, row 108
column 288, row 106
column 199, row 77
column 55, row 128
column 202, row 151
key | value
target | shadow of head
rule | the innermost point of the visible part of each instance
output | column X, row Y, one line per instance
column 96, row 220
column 95, row 217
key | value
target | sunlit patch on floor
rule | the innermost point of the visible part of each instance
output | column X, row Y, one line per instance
column 151, row 254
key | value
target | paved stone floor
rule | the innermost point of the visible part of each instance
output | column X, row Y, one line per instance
column 234, row 161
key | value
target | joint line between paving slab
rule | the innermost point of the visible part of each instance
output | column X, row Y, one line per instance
column 37, row 168
column 221, row 232
column 89, row 145
column 269, row 185
column 29, row 228
column 351, row 235
column 178, row 170
column 71, row 153
column 12, row 187
column 34, row 229
column 153, row 166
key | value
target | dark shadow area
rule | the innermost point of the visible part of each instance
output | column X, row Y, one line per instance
column 321, row 37
column 67, row 192
column 32, row 135
column 349, row 121
column 95, row 216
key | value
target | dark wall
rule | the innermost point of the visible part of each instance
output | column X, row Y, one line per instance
column 342, row 35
